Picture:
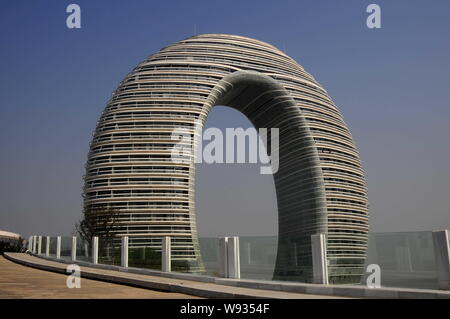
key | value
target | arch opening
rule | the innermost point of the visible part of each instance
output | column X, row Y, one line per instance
column 234, row 199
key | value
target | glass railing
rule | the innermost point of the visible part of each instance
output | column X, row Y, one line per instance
column 66, row 248
column 108, row 252
column 144, row 257
column 257, row 257
column 406, row 259
column 84, row 250
column 43, row 245
column 210, row 256
column 53, row 246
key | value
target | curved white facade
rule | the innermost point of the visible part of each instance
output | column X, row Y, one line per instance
column 320, row 183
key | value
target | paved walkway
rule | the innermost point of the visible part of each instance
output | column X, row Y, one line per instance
column 180, row 286
column 17, row 281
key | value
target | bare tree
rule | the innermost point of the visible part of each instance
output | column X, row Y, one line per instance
column 97, row 221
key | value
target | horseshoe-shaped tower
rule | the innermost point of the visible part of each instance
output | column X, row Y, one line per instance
column 319, row 185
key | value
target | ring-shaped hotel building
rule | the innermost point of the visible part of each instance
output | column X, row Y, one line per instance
column 320, row 184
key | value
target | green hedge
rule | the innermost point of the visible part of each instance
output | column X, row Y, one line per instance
column 8, row 246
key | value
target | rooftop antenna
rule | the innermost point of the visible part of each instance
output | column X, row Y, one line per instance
column 195, row 29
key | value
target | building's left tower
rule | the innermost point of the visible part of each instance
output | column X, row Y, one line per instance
column 129, row 168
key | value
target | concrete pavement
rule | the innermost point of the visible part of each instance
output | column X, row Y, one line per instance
column 174, row 285
column 18, row 281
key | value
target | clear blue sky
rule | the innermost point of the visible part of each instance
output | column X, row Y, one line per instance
column 392, row 86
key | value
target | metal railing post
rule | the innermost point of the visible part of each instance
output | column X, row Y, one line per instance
column 39, row 245
column 223, row 257
column 58, row 247
column 95, row 250
column 442, row 257
column 74, row 249
column 124, row 253
column 234, row 265
column 229, row 260
column 47, row 246
column 166, row 255
column 34, row 244
column 319, row 258
column 30, row 243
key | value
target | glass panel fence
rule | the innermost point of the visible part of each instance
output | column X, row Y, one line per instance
column 182, row 260
column 257, row 257
column 145, row 257
column 43, row 245
column 66, row 248
column 53, row 247
column 406, row 259
column 210, row 255
column 109, row 251
column 84, row 250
